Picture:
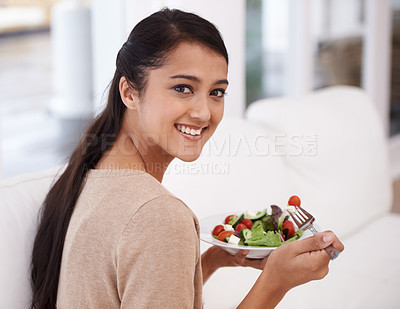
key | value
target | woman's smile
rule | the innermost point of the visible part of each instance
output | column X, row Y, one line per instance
column 191, row 132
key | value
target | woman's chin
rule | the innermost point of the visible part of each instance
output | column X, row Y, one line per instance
column 188, row 157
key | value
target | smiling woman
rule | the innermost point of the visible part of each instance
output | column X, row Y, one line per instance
column 181, row 107
column 111, row 236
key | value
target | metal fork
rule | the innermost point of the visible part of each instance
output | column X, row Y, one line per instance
column 304, row 221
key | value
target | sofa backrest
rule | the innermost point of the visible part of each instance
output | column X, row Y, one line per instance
column 338, row 161
column 20, row 201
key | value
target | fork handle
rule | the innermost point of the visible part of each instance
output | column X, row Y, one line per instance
column 332, row 252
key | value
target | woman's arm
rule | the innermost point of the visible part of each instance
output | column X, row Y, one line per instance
column 290, row 265
column 208, row 263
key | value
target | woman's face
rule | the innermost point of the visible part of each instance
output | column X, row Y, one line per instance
column 182, row 104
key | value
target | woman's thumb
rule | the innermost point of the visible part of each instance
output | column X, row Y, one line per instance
column 317, row 242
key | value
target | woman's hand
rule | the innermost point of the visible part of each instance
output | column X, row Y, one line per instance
column 301, row 261
column 215, row 258
column 291, row 265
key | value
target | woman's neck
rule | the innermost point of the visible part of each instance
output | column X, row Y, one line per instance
column 128, row 153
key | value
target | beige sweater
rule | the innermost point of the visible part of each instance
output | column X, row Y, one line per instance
column 130, row 244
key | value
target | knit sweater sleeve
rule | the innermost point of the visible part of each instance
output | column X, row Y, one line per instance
column 158, row 256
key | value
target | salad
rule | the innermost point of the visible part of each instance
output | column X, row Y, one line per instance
column 259, row 229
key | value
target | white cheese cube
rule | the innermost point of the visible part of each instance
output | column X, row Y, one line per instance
column 291, row 209
column 228, row 227
column 233, row 240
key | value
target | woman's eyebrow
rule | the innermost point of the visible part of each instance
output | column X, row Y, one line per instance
column 196, row 79
column 222, row 81
column 189, row 77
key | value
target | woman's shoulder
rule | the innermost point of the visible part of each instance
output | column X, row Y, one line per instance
column 166, row 207
column 162, row 217
column 124, row 183
column 133, row 194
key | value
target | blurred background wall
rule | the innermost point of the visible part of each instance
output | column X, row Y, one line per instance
column 277, row 48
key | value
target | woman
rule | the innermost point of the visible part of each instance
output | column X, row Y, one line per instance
column 110, row 234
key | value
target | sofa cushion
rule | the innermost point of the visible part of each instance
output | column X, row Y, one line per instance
column 20, row 200
column 335, row 150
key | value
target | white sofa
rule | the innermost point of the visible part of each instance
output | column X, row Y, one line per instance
column 327, row 147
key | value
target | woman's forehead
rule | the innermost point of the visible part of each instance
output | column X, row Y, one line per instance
column 193, row 59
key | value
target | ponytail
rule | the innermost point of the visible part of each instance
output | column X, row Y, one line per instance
column 61, row 199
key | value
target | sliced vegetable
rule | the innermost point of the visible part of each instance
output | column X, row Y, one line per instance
column 224, row 235
column 239, row 220
column 233, row 220
column 228, row 218
column 247, row 222
column 294, row 201
column 288, row 225
column 218, row 229
column 257, row 223
column 295, row 237
column 259, row 215
column 244, row 235
column 281, row 220
column 240, row 227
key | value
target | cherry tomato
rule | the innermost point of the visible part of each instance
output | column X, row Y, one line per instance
column 240, row 227
column 248, row 223
column 294, row 201
column 290, row 226
column 224, row 234
column 218, row 229
column 228, row 218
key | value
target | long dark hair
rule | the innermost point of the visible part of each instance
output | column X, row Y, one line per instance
column 146, row 48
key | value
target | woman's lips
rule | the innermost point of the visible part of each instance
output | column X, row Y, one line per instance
column 193, row 133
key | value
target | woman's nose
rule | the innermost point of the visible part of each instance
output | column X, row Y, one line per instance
column 200, row 109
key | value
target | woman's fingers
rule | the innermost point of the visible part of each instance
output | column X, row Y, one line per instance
column 240, row 257
column 317, row 242
column 241, row 260
column 335, row 242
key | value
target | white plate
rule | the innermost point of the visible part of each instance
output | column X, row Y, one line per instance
column 207, row 225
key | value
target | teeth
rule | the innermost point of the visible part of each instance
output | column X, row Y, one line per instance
column 188, row 130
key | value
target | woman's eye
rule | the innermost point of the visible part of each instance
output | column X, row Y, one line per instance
column 183, row 89
column 218, row 92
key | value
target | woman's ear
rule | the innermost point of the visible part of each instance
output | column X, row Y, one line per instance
column 128, row 95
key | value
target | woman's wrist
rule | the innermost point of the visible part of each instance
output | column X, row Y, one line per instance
column 265, row 293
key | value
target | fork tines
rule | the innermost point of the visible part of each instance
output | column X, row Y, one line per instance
column 304, row 221
column 302, row 218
